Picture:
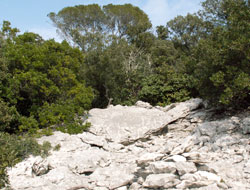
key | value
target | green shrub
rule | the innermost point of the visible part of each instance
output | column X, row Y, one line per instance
column 14, row 149
column 57, row 147
column 28, row 124
column 8, row 116
column 74, row 128
column 41, row 82
column 163, row 90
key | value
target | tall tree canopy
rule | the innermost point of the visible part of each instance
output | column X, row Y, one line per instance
column 88, row 25
column 203, row 54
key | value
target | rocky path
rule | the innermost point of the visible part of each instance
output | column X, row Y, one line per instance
column 180, row 146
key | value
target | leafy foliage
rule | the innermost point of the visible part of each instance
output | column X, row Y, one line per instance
column 222, row 59
column 160, row 90
column 42, row 75
column 90, row 26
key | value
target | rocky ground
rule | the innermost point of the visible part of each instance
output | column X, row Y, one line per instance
column 181, row 146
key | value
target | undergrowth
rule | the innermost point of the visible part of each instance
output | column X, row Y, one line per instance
column 14, row 149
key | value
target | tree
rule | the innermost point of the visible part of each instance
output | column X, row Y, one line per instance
column 115, row 45
column 82, row 24
column 186, row 31
column 90, row 26
column 223, row 57
column 8, row 113
column 115, row 72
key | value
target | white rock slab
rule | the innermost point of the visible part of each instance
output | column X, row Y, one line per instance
column 127, row 124
column 161, row 180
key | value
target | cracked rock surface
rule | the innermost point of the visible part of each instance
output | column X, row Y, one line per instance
column 180, row 146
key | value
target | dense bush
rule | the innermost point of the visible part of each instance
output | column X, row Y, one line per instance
column 9, row 116
column 160, row 90
column 222, row 59
column 42, row 83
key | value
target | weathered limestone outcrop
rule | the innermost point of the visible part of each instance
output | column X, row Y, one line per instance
column 141, row 147
column 126, row 125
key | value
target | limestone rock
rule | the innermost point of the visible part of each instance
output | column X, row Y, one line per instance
column 176, row 158
column 161, row 180
column 202, row 176
column 180, row 146
column 113, row 176
column 40, row 166
column 142, row 104
column 170, row 145
column 198, row 179
column 134, row 186
column 210, row 187
column 162, row 167
column 245, row 125
column 122, row 188
column 196, row 157
column 247, row 167
column 185, row 146
column 185, row 167
column 92, row 139
column 149, row 157
column 214, row 128
column 127, row 124
column 100, row 188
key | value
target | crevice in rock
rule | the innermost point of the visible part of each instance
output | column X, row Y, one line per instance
column 95, row 145
column 92, row 144
column 127, row 143
column 142, row 172
column 88, row 173
column 77, row 188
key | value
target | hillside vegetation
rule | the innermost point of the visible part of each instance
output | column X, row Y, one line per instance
column 111, row 53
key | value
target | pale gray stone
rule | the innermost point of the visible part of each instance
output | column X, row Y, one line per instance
column 247, row 167
column 198, row 179
column 210, row 187
column 185, row 167
column 100, row 188
column 202, row 176
column 197, row 157
column 92, row 139
column 134, row 186
column 122, row 188
column 225, row 140
column 162, row 167
column 40, row 166
column 245, row 125
column 127, row 124
column 170, row 145
column 161, row 180
column 140, row 180
column 149, row 157
column 113, row 176
column 142, row 104
column 176, row 158
column 185, row 146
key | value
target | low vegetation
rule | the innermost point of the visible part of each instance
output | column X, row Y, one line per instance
column 14, row 149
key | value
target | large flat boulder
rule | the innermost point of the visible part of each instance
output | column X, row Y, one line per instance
column 125, row 125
